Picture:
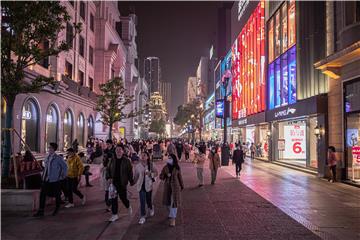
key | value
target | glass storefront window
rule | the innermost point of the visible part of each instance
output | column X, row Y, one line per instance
column 277, row 34
column 90, row 127
column 271, row 86
column 51, row 126
column 30, row 124
column 352, row 141
column 271, row 40
column 284, row 26
column 68, row 129
column 81, row 130
column 278, row 82
column 292, row 23
column 313, row 161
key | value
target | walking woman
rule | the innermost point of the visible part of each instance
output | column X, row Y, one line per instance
column 173, row 184
column 200, row 159
column 145, row 174
column 332, row 163
column 214, row 163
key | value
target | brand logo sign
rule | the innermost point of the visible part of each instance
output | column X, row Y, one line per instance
column 286, row 112
column 26, row 115
column 242, row 121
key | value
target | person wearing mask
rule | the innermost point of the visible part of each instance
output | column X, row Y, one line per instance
column 171, row 149
column 238, row 159
column 119, row 173
column 75, row 170
column 145, row 174
column 332, row 163
column 55, row 169
column 173, row 185
column 199, row 164
column 214, row 163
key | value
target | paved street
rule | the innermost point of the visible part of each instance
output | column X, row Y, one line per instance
column 268, row 202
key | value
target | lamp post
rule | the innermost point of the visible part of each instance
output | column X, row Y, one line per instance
column 225, row 151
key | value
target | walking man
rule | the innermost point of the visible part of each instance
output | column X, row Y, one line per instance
column 119, row 173
column 55, row 169
column 238, row 159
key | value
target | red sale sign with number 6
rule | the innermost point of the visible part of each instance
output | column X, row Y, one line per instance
column 295, row 142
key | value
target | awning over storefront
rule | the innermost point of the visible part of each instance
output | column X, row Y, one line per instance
column 331, row 66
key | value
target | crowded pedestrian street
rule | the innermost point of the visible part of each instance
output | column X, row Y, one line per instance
column 266, row 202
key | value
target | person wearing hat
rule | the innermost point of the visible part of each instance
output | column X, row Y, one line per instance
column 75, row 170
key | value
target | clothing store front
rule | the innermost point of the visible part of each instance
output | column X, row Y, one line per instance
column 352, row 130
column 253, row 130
column 298, row 133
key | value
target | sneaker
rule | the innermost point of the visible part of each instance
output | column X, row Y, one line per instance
column 152, row 211
column 331, row 181
column 130, row 210
column 113, row 218
column 69, row 205
column 83, row 200
column 142, row 220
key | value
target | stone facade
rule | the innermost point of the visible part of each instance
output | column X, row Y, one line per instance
column 98, row 54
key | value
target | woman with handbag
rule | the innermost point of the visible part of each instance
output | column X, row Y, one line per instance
column 145, row 174
column 173, row 184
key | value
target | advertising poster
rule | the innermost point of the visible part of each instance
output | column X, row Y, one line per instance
column 352, row 136
column 250, row 134
column 219, row 108
column 281, row 144
column 356, row 155
column 295, row 142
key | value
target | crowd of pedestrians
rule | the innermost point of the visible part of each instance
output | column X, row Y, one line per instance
column 129, row 164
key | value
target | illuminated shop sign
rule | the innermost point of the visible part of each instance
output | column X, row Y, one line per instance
column 219, row 108
column 248, row 67
column 285, row 113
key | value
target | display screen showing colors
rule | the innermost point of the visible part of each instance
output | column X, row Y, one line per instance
column 219, row 108
column 282, row 80
column 248, row 67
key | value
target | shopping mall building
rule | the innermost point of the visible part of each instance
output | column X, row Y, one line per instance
column 295, row 83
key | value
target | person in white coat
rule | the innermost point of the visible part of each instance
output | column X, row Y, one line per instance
column 145, row 174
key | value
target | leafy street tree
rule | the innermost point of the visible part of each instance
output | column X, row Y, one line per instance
column 158, row 126
column 112, row 102
column 192, row 113
column 29, row 34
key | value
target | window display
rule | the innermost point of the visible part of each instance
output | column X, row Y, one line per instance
column 284, row 23
column 271, row 40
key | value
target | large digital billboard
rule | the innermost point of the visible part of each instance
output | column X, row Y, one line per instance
column 248, row 67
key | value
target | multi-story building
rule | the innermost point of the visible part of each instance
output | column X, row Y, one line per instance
column 152, row 73
column 157, row 108
column 141, row 122
column 165, row 92
column 97, row 54
column 341, row 65
column 202, row 75
column 127, row 31
column 191, row 91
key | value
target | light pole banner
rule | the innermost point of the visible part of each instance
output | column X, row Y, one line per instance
column 295, row 142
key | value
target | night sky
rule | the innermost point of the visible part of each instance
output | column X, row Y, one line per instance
column 179, row 33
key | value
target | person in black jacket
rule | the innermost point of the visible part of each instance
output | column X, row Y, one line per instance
column 238, row 158
column 119, row 173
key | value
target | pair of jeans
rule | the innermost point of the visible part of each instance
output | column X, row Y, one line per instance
column 200, row 175
column 122, row 192
column 172, row 209
column 145, row 197
column 73, row 188
column 238, row 169
column 107, row 200
column 333, row 171
column 213, row 175
column 52, row 189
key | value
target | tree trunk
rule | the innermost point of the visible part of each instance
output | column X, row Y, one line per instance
column 7, row 137
column 110, row 131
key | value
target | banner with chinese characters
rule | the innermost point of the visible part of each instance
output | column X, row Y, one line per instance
column 295, row 142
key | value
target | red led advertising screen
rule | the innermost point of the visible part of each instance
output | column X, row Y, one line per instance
column 248, row 67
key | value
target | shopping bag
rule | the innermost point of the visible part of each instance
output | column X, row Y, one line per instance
column 112, row 191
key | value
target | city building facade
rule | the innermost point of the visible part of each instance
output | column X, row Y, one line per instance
column 341, row 66
column 191, row 91
column 165, row 92
column 152, row 73
column 67, row 113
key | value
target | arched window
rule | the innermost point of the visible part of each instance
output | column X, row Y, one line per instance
column 81, row 130
column 90, row 127
column 30, row 124
column 52, row 123
column 68, row 129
